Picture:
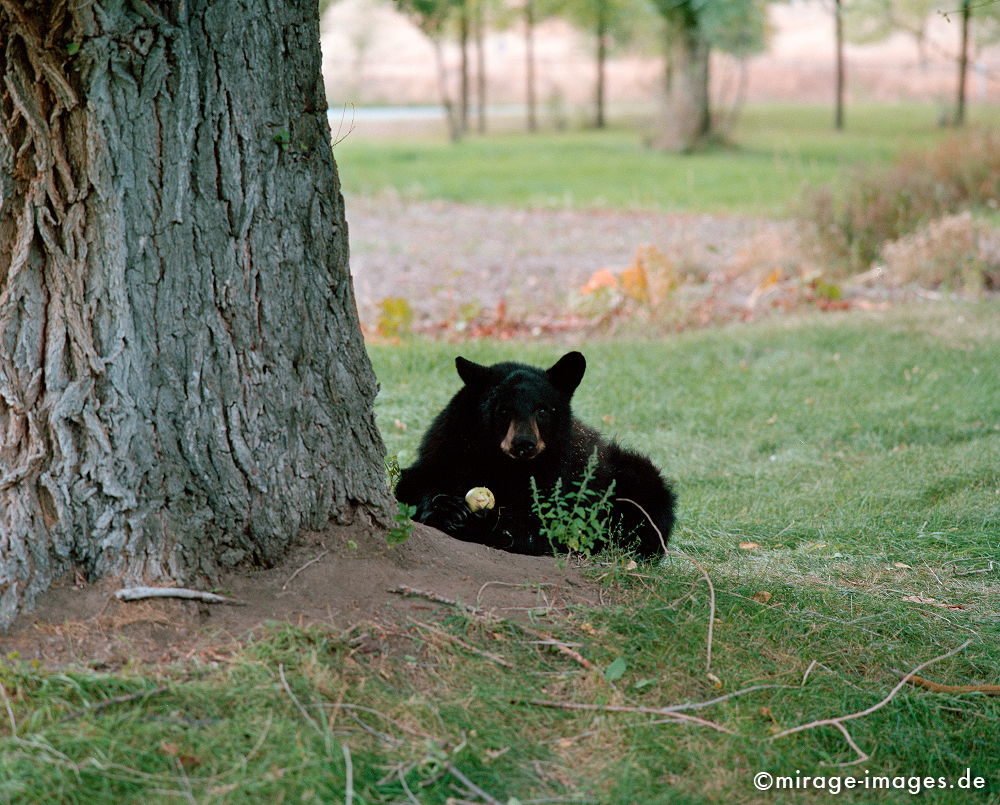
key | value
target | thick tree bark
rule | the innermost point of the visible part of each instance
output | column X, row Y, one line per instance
column 183, row 384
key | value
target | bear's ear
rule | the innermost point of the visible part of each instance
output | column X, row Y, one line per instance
column 472, row 374
column 567, row 372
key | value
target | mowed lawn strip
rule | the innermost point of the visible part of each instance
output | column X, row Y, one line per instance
column 773, row 153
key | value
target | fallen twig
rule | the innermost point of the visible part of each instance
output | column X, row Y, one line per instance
column 937, row 687
column 475, row 789
column 677, row 708
column 126, row 697
column 988, row 569
column 625, row 708
column 704, row 574
column 140, row 593
column 838, row 721
column 547, row 639
column 310, row 562
column 10, row 710
column 402, row 589
column 458, row 641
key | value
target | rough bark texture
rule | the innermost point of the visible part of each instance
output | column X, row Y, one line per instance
column 183, row 385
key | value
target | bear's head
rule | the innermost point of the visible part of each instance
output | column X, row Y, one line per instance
column 523, row 410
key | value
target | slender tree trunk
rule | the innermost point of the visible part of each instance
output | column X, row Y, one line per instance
column 183, row 384
column 602, row 57
column 480, row 36
column 451, row 115
column 463, row 42
column 529, row 56
column 963, row 65
column 838, row 24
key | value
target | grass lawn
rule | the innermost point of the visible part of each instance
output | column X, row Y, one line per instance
column 856, row 458
column 776, row 151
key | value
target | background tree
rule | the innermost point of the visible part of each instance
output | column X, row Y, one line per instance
column 433, row 18
column 839, row 77
column 183, row 383
column 611, row 23
column 692, row 29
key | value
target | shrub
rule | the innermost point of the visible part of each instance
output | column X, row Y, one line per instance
column 958, row 252
column 874, row 206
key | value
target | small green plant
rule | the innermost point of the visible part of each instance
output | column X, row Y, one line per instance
column 283, row 139
column 392, row 471
column 576, row 519
column 403, row 528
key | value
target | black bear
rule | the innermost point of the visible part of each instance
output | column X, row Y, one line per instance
column 508, row 424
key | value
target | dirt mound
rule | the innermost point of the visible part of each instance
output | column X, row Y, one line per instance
column 342, row 576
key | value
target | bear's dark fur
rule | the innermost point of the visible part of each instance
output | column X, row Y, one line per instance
column 511, row 422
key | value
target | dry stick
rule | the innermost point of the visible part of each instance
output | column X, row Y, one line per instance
column 937, row 687
column 348, row 773
column 139, row 593
column 127, row 697
column 838, row 722
column 472, row 786
column 457, row 640
column 310, row 562
column 305, row 714
column 676, row 708
column 624, row 708
column 704, row 575
column 402, row 589
column 491, row 618
column 10, row 710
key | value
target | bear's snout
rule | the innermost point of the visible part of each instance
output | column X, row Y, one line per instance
column 523, row 441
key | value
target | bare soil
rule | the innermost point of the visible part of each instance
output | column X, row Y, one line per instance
column 450, row 260
column 341, row 577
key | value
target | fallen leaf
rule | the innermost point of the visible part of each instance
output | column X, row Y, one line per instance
column 588, row 628
column 616, row 670
column 901, row 564
column 749, row 546
column 602, row 278
column 763, row 596
column 920, row 599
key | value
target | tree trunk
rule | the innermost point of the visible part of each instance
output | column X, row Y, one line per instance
column 687, row 120
column 529, row 66
column 601, row 34
column 183, row 383
column 963, row 65
column 463, row 42
column 838, row 25
column 480, row 36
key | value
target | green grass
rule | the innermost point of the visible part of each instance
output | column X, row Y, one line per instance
column 860, row 451
column 776, row 151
